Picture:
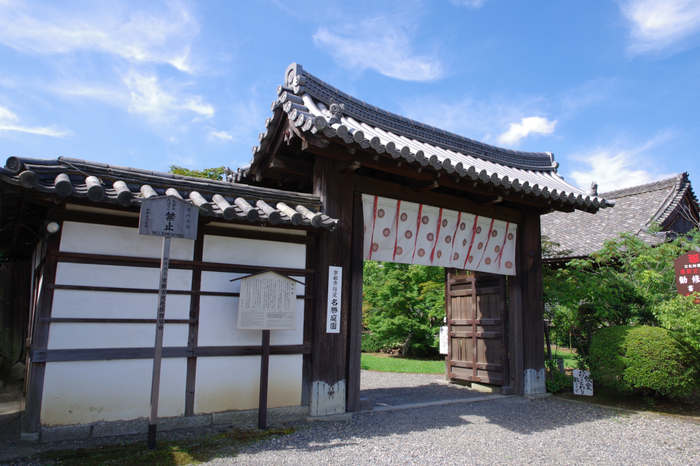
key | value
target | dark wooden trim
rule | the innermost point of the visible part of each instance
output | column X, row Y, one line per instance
column 355, row 308
column 104, row 354
column 90, row 320
column 112, row 289
column 309, row 321
column 40, row 337
column 193, row 331
column 405, row 193
column 132, row 261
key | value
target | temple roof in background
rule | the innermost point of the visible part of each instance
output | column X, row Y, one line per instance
column 671, row 204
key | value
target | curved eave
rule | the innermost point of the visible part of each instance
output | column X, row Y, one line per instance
column 125, row 186
column 313, row 117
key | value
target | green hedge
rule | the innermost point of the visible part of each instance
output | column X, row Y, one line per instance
column 642, row 359
column 371, row 343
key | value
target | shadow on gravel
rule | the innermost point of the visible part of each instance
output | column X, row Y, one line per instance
column 510, row 417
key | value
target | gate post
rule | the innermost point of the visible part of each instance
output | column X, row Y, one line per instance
column 527, row 306
column 329, row 350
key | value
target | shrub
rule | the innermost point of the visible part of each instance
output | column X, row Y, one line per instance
column 681, row 316
column 371, row 343
column 642, row 359
column 556, row 381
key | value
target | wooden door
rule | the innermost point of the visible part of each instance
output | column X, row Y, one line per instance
column 476, row 320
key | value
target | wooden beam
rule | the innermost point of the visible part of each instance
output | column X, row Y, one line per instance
column 105, row 354
column 349, row 166
column 423, row 186
column 396, row 191
column 293, row 166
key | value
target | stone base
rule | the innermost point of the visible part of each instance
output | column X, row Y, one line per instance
column 327, row 400
column 247, row 418
column 534, row 382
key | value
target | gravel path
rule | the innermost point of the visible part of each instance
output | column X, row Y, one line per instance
column 509, row 430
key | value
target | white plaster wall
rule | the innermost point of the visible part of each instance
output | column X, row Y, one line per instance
column 94, row 335
column 82, row 392
column 217, row 325
column 120, row 276
column 91, row 238
column 254, row 252
column 233, row 383
column 106, row 304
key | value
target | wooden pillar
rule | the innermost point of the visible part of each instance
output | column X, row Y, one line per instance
column 355, row 315
column 528, row 290
column 329, row 350
column 193, row 332
column 40, row 334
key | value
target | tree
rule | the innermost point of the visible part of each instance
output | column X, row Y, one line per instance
column 210, row 173
column 626, row 282
column 404, row 305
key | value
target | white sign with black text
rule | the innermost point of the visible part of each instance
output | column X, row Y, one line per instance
column 335, row 279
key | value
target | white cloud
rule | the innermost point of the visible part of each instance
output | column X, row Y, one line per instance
column 469, row 3
column 476, row 119
column 617, row 167
column 143, row 94
column 380, row 44
column 147, row 96
column 659, row 24
column 160, row 37
column 526, row 127
column 9, row 122
column 222, row 136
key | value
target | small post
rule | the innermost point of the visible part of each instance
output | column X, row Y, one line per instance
column 158, row 350
column 164, row 216
column 264, row 373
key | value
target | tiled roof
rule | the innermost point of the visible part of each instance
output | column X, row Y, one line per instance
column 636, row 209
column 101, row 183
column 318, row 108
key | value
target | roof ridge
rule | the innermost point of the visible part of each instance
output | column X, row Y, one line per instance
column 645, row 188
column 301, row 81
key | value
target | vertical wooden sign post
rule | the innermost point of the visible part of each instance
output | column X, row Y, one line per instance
column 167, row 217
column 267, row 302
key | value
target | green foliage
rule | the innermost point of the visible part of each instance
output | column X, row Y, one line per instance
column 642, row 359
column 681, row 316
column 404, row 306
column 623, row 283
column 556, row 381
column 371, row 343
column 210, row 173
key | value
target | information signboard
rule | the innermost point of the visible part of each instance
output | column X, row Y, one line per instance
column 688, row 273
column 168, row 217
column 268, row 301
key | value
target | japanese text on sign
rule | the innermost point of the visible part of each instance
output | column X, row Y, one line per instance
column 335, row 279
column 688, row 273
column 168, row 216
column 267, row 302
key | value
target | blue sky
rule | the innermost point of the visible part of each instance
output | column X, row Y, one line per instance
column 610, row 87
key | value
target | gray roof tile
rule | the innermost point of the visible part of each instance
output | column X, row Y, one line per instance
column 636, row 209
column 331, row 113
